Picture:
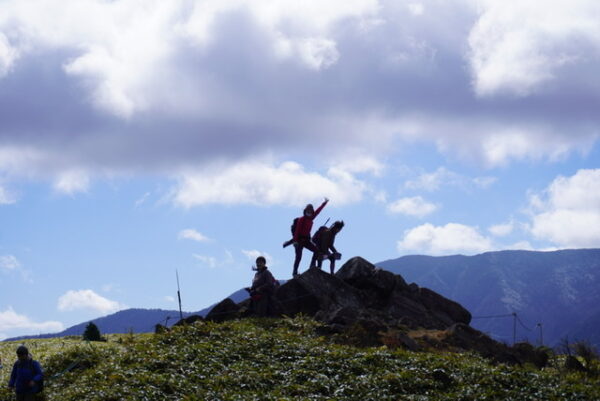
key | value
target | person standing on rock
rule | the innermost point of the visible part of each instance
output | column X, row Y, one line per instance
column 302, row 234
column 324, row 240
column 263, row 286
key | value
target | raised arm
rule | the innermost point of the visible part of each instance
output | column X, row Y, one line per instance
column 320, row 208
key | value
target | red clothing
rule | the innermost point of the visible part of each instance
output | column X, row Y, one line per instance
column 305, row 223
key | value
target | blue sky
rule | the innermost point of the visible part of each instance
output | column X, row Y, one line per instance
column 137, row 138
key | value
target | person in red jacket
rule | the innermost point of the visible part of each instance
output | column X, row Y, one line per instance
column 302, row 233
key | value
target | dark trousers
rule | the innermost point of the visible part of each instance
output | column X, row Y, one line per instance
column 260, row 306
column 27, row 397
column 331, row 262
column 299, row 246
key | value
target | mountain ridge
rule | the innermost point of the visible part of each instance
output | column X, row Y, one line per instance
column 567, row 303
column 557, row 289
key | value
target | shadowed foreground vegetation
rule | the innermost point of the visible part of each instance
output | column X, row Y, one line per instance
column 283, row 359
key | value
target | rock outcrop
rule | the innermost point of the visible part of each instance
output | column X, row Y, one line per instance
column 358, row 294
column 359, row 291
column 375, row 306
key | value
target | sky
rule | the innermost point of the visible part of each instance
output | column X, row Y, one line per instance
column 143, row 137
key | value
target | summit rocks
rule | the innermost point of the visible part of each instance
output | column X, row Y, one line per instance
column 359, row 293
column 365, row 305
column 371, row 306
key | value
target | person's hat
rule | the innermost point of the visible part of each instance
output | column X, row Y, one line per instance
column 22, row 350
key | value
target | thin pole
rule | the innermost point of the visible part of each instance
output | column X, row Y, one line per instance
column 541, row 334
column 514, row 327
column 179, row 295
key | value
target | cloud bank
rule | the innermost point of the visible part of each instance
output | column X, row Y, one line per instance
column 451, row 238
column 117, row 88
column 567, row 213
column 11, row 320
column 415, row 206
column 261, row 183
column 87, row 300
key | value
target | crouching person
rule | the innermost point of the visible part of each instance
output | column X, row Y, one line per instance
column 27, row 377
column 263, row 286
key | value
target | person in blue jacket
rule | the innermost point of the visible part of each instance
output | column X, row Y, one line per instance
column 27, row 376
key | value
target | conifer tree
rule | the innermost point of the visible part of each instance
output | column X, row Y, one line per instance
column 92, row 333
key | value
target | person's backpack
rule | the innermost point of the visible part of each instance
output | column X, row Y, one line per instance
column 294, row 224
column 316, row 238
column 40, row 384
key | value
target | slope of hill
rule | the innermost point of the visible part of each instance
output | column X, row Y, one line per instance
column 283, row 359
column 557, row 289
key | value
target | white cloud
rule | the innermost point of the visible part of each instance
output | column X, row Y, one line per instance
column 169, row 298
column 518, row 46
column 193, row 235
column 253, row 254
column 522, row 246
column 343, row 60
column 142, row 200
column 71, row 182
column 500, row 147
column 443, row 177
column 6, row 197
column 568, row 212
column 208, row 261
column 8, row 55
column 121, row 46
column 318, row 53
column 11, row 320
column 443, row 240
column 416, row 8
column 415, row 206
column 502, row 230
column 9, row 262
column 260, row 183
column 87, row 299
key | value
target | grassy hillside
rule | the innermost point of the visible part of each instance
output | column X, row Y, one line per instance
column 281, row 359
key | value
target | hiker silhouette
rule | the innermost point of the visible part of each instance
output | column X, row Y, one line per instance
column 27, row 377
column 324, row 240
column 263, row 286
column 301, row 234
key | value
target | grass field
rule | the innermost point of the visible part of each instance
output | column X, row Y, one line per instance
column 282, row 359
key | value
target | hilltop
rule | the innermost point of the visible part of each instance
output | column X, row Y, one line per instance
column 264, row 359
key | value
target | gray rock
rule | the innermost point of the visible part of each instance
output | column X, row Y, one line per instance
column 224, row 310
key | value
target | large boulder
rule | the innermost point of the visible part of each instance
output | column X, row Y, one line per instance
column 189, row 320
column 293, row 298
column 224, row 310
column 446, row 309
column 329, row 291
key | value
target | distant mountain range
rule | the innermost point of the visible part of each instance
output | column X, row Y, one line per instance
column 131, row 320
column 560, row 290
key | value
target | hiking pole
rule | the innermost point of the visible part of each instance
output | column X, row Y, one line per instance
column 179, row 295
column 514, row 327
